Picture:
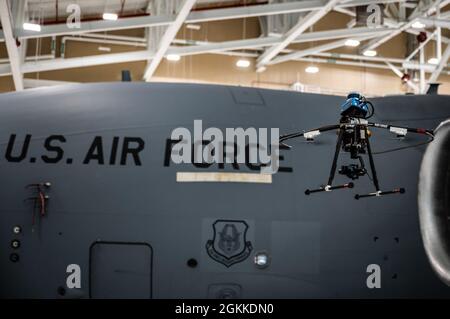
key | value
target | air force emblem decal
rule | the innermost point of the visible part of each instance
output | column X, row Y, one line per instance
column 229, row 245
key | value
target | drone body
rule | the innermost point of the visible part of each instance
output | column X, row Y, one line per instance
column 353, row 138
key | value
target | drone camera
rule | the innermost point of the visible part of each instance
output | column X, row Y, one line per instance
column 352, row 171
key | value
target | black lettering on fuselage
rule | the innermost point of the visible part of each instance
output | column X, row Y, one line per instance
column 284, row 169
column 235, row 152
column 95, row 152
column 98, row 153
column 9, row 150
column 112, row 157
column 52, row 148
column 134, row 152
column 168, row 152
column 252, row 166
column 199, row 165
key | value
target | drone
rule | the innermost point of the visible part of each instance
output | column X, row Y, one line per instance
column 354, row 138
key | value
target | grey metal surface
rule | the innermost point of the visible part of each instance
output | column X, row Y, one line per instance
column 119, row 270
column 434, row 209
column 320, row 245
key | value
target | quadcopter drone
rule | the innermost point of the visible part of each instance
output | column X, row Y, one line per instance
column 353, row 137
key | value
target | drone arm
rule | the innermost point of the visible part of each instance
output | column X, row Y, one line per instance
column 309, row 134
column 401, row 130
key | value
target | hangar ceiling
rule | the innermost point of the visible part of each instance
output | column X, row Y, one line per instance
column 283, row 24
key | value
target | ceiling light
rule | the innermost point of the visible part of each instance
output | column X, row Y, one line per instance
column 418, row 25
column 352, row 43
column 104, row 49
column 173, row 57
column 261, row 69
column 433, row 61
column 242, row 63
column 32, row 27
column 110, row 16
column 370, row 53
column 193, row 26
column 312, row 69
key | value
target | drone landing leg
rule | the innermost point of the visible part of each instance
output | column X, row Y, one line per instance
column 336, row 156
column 372, row 163
column 375, row 178
column 328, row 187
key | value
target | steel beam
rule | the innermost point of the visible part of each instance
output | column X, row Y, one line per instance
column 445, row 56
column 86, row 61
column 400, row 75
column 96, row 26
column 168, row 37
column 303, row 24
column 270, row 41
column 358, row 57
column 429, row 22
column 11, row 45
column 403, row 26
column 254, row 11
column 35, row 83
column 379, row 41
column 193, row 17
column 422, row 70
column 314, row 50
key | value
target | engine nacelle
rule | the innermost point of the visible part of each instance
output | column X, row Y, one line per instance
column 434, row 202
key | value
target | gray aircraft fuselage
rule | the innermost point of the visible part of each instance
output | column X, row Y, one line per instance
column 116, row 209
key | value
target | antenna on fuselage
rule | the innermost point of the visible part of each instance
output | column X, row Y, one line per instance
column 126, row 76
